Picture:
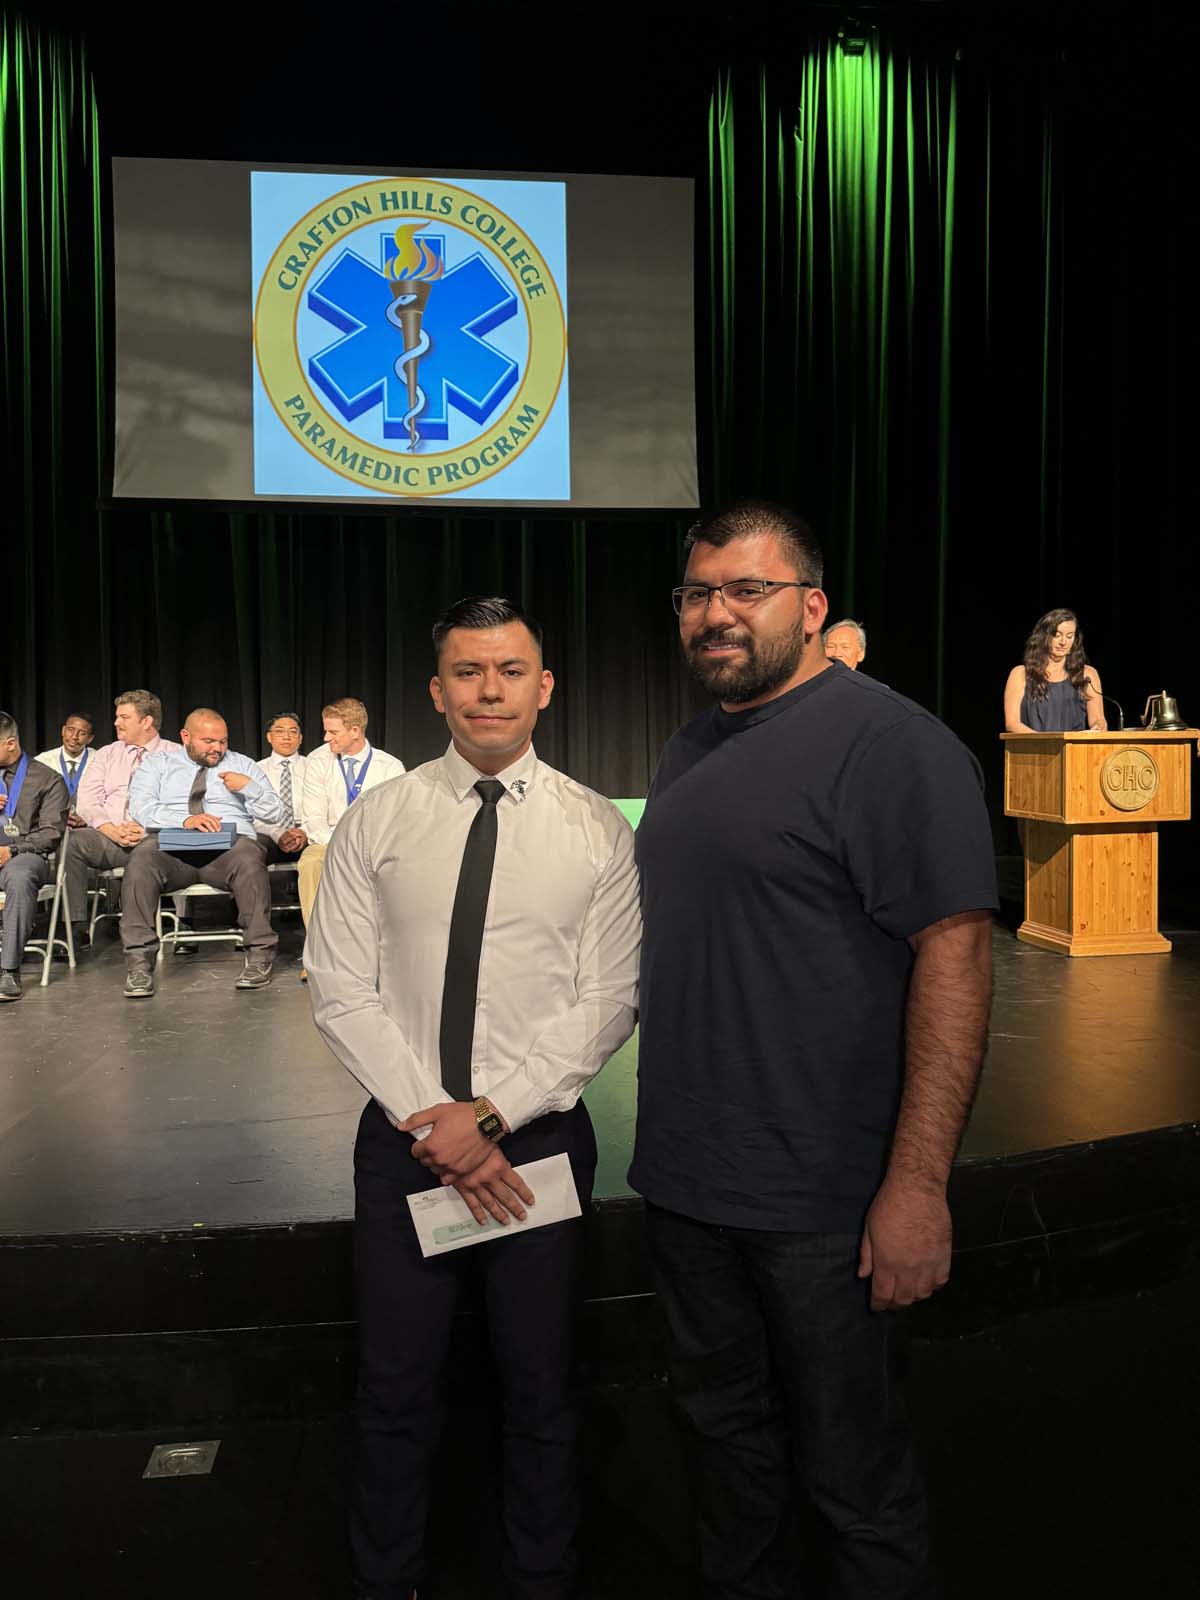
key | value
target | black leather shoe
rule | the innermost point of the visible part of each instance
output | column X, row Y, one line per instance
column 139, row 976
column 256, row 974
column 10, row 985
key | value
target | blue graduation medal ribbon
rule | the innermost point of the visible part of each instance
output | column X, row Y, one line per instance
column 73, row 783
column 353, row 790
column 11, row 831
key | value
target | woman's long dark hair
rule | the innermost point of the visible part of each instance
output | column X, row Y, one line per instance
column 1037, row 654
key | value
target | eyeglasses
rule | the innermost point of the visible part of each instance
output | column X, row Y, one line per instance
column 739, row 594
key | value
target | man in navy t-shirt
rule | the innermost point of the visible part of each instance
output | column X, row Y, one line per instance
column 818, row 883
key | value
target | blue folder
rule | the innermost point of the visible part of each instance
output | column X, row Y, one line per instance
column 180, row 840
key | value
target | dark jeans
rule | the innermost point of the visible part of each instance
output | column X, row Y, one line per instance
column 406, row 1305
column 20, row 879
column 789, row 1384
column 149, row 872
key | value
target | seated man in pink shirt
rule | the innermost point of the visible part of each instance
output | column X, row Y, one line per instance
column 102, row 799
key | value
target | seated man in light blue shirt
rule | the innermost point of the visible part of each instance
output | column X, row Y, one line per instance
column 204, row 787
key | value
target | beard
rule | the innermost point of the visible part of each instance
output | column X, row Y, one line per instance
column 767, row 664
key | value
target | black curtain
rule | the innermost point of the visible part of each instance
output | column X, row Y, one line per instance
column 944, row 304
column 295, row 610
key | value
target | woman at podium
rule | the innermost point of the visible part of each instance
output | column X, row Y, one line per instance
column 1055, row 690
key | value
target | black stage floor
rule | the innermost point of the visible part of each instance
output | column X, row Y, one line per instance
column 175, row 1180
column 208, row 1107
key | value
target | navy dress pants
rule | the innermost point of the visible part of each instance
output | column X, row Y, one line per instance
column 406, row 1304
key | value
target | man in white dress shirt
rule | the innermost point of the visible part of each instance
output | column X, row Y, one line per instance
column 473, row 962
column 344, row 767
column 284, row 768
column 69, row 759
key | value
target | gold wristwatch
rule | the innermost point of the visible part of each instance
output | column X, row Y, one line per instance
column 487, row 1120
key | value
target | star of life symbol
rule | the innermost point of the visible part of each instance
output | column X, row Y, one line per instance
column 413, row 341
column 412, row 335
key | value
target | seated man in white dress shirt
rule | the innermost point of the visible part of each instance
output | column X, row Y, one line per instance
column 473, row 962
column 204, row 788
column 284, row 768
column 69, row 759
column 343, row 768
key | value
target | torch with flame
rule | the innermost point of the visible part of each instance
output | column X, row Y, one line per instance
column 411, row 271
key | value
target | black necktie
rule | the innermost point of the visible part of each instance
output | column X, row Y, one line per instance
column 460, row 989
column 71, row 765
column 196, row 792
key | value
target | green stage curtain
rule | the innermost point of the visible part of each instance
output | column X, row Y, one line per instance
column 52, row 403
column 833, row 200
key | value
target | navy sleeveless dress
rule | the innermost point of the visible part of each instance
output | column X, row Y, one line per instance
column 1062, row 711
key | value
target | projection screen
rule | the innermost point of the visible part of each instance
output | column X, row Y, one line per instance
column 287, row 333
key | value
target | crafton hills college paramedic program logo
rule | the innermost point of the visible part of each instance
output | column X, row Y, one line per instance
column 410, row 336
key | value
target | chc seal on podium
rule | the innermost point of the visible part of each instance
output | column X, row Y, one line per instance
column 1129, row 779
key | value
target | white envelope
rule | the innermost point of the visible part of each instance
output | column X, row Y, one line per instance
column 444, row 1222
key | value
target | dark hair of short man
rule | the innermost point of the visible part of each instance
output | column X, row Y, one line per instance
column 8, row 728
column 481, row 611
column 144, row 703
column 79, row 716
column 744, row 519
column 285, row 716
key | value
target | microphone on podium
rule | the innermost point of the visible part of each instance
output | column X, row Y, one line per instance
column 1108, row 700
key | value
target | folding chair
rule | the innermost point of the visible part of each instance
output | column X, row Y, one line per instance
column 98, row 889
column 285, row 866
column 190, row 935
column 55, row 895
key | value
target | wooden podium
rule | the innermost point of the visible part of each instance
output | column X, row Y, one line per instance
column 1092, row 803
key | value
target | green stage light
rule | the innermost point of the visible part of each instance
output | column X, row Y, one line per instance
column 853, row 36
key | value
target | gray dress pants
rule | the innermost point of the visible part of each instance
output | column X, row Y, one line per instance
column 90, row 851
column 241, row 870
column 20, row 879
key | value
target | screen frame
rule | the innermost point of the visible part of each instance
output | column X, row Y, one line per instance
column 441, row 507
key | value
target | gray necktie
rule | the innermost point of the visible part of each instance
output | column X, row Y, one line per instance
column 197, row 791
column 285, row 791
column 71, row 765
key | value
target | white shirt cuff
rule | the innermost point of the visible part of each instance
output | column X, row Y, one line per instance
column 518, row 1101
